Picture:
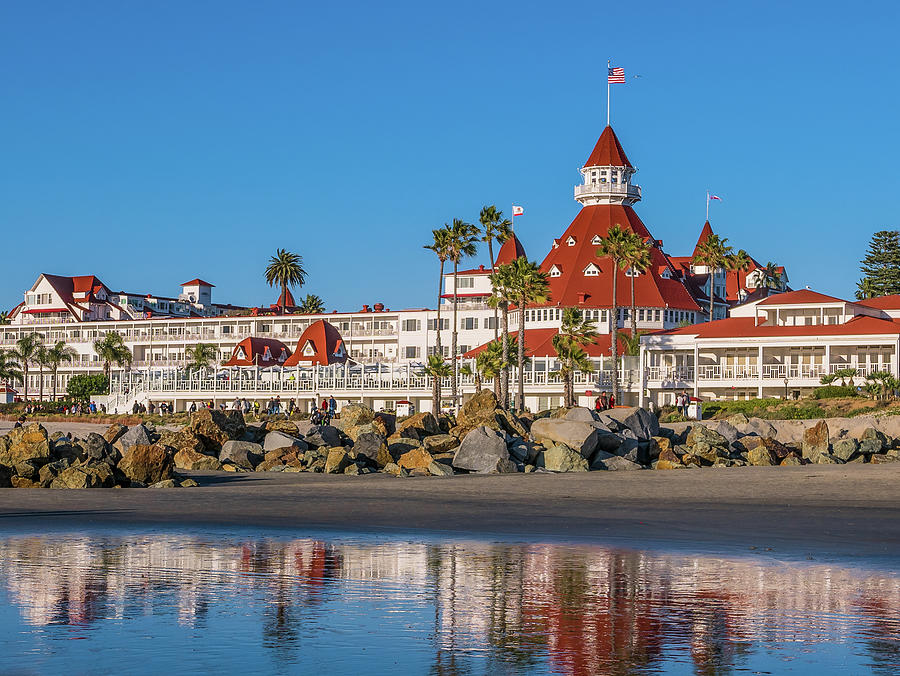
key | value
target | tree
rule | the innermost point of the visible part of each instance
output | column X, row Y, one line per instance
column 489, row 363
column 495, row 228
column 4, row 317
column 631, row 344
column 201, row 356
column 285, row 269
column 827, row 379
column 82, row 386
column 738, row 262
column 467, row 370
column 40, row 358
column 714, row 253
column 637, row 260
column 881, row 264
column 24, row 353
column 771, row 278
column 501, row 282
column 56, row 355
column 865, row 289
column 528, row 284
column 574, row 333
column 312, row 305
column 882, row 384
column 9, row 367
column 441, row 248
column 615, row 247
column 437, row 369
column 111, row 349
column 463, row 237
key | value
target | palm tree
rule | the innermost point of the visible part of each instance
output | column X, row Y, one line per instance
column 771, row 278
column 111, row 349
column 467, row 370
column 437, row 369
column 738, row 262
column 312, row 305
column 9, row 367
column 865, row 289
column 529, row 284
column 495, row 228
column 638, row 261
column 463, row 237
column 631, row 344
column 40, row 358
column 285, row 269
column 615, row 246
column 441, row 247
column 56, row 355
column 714, row 253
column 25, row 352
column 4, row 317
column 489, row 364
column 574, row 333
column 201, row 356
column 501, row 282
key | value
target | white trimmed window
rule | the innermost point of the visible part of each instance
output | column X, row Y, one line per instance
column 596, row 240
column 466, row 283
column 591, row 270
column 411, row 325
column 570, row 241
column 468, row 323
column 555, row 271
column 411, row 352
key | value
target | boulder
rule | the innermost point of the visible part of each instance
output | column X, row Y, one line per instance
column 440, row 443
column 870, row 446
column 524, row 451
column 726, row 430
column 827, row 459
column 870, row 433
column 561, row 458
column 75, row 477
column 417, row 458
column 183, row 439
column 18, row 482
column 385, row 423
column 188, row 458
column 354, row 415
column 165, row 483
column 323, row 435
column 617, row 464
column 483, row 410
column 29, row 442
column 188, row 483
column 761, row 456
column 482, row 450
column 581, row 414
column 668, row 459
column 135, row 435
column 276, row 440
column 27, row 469
column 691, row 460
column 579, row 436
column 640, row 421
column 244, row 454
column 706, row 435
column 844, row 449
column 757, row 426
column 792, row 459
column 737, row 419
column 395, row 469
column 284, row 426
column 51, row 470
column 95, row 447
column 815, row 441
column 439, row 469
column 421, row 424
column 114, row 432
column 374, row 447
column 881, row 459
column 656, row 445
column 216, row 427
column 398, row 447
column 337, row 461
column 104, row 473
column 148, row 463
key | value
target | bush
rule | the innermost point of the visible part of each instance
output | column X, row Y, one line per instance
column 834, row 392
column 82, row 386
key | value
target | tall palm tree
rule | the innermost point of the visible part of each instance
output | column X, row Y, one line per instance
column 463, row 238
column 771, row 278
column 56, row 355
column 574, row 333
column 285, row 269
column 615, row 246
column 312, row 305
column 529, row 284
column 495, row 228
column 437, row 369
column 738, row 262
column 865, row 288
column 637, row 260
column 111, row 349
column 501, row 282
column 26, row 350
column 4, row 317
column 714, row 253
column 631, row 344
column 467, row 370
column 9, row 367
column 489, row 363
column 201, row 356
column 440, row 245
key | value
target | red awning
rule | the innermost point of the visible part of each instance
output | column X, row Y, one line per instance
column 40, row 312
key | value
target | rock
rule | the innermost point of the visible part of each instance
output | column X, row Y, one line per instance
column 757, row 426
column 188, row 483
column 29, row 442
column 422, row 424
column 524, row 451
column 726, row 430
column 643, row 423
column 827, row 459
column 440, row 443
column 761, row 456
column 165, row 483
column 183, row 439
column 737, row 419
column 352, row 469
column 881, row 459
column 114, row 432
column 668, row 459
column 482, row 450
column 337, row 461
column 148, row 464
column 618, row 464
column 132, row 437
column 691, row 460
column 703, row 434
column 398, row 447
column 656, row 445
column 277, row 439
column 791, row 460
column 21, row 482
column 95, row 447
column 75, row 477
column 354, row 415
column 844, row 448
column 323, row 435
column 284, row 426
column 815, row 441
column 597, row 462
column 561, row 458
column 708, row 454
column 27, row 469
column 417, row 458
column 385, row 423
column 104, row 472
column 871, row 434
column 439, row 469
column 579, row 436
column 63, row 447
column 50, row 471
column 581, row 414
column 395, row 469
column 870, row 446
column 215, row 427
column 374, row 447
column 188, row 458
column 244, row 454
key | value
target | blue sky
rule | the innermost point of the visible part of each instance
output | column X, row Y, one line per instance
column 151, row 143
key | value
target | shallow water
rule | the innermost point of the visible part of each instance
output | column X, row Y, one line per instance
column 206, row 601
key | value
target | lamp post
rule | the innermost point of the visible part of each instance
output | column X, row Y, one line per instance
column 785, row 389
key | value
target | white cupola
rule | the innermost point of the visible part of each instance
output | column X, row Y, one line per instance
column 607, row 174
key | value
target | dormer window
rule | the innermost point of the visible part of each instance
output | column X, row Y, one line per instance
column 555, row 243
column 267, row 354
column 570, row 241
column 309, row 350
column 597, row 240
column 591, row 270
column 631, row 272
column 666, row 274
column 240, row 354
column 555, row 271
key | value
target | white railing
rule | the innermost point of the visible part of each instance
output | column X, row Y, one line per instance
column 681, row 373
column 608, row 188
column 862, row 370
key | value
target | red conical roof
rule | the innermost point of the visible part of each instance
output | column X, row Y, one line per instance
column 510, row 251
column 320, row 344
column 704, row 235
column 288, row 300
column 608, row 152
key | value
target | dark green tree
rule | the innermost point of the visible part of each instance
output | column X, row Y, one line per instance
column 881, row 266
column 80, row 387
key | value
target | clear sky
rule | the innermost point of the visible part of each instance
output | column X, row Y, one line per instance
column 153, row 142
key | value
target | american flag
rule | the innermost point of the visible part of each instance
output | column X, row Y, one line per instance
column 616, row 76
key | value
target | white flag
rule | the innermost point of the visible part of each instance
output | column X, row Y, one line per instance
column 518, row 211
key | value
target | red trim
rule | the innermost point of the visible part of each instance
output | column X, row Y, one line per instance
column 39, row 312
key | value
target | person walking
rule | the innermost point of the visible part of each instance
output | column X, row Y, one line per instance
column 598, row 405
column 604, row 401
column 685, row 402
column 612, row 401
column 193, row 407
column 332, row 406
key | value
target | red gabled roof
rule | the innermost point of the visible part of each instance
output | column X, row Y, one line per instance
column 326, row 342
column 705, row 232
column 289, row 299
column 511, row 250
column 539, row 343
column 608, row 152
column 573, row 288
column 259, row 352
column 744, row 327
column 801, row 297
column 199, row 282
column 882, row 302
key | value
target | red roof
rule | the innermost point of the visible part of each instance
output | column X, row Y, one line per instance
column 882, row 302
column 512, row 249
column 196, row 282
column 289, row 300
column 320, row 344
column 744, row 327
column 40, row 311
column 539, row 343
column 801, row 297
column 705, row 232
column 259, row 352
column 573, row 288
column 608, row 152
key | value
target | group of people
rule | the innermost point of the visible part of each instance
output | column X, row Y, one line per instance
column 80, row 408
column 605, row 402
column 682, row 401
column 163, row 408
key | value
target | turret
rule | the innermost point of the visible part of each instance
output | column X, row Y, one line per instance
column 607, row 174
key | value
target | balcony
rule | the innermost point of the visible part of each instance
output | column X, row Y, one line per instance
column 602, row 189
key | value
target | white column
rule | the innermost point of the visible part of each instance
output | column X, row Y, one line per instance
column 696, row 370
column 759, row 361
column 827, row 364
column 643, row 375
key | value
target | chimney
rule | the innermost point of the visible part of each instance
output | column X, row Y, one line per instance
column 378, row 307
column 365, row 308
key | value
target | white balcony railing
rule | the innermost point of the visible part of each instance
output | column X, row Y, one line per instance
column 608, row 189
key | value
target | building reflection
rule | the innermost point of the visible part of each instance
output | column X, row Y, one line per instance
column 495, row 607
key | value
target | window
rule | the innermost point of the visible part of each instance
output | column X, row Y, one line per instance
column 410, row 325
column 596, row 240
column 656, row 315
column 462, row 349
column 591, row 270
column 570, row 241
column 226, row 329
column 466, row 283
column 265, row 328
column 468, row 323
column 411, row 352
column 491, row 323
column 432, row 324
column 445, row 350
column 631, row 272
column 640, row 315
column 555, row 271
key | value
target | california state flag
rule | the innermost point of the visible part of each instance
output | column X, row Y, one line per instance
column 518, row 211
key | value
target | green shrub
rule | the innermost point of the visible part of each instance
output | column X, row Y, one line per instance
column 82, row 386
column 834, row 392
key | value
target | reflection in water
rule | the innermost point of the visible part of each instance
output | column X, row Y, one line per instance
column 219, row 602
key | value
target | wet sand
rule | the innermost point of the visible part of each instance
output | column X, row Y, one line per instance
column 820, row 512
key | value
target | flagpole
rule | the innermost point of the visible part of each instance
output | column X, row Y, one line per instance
column 512, row 210
column 608, row 61
column 707, row 205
